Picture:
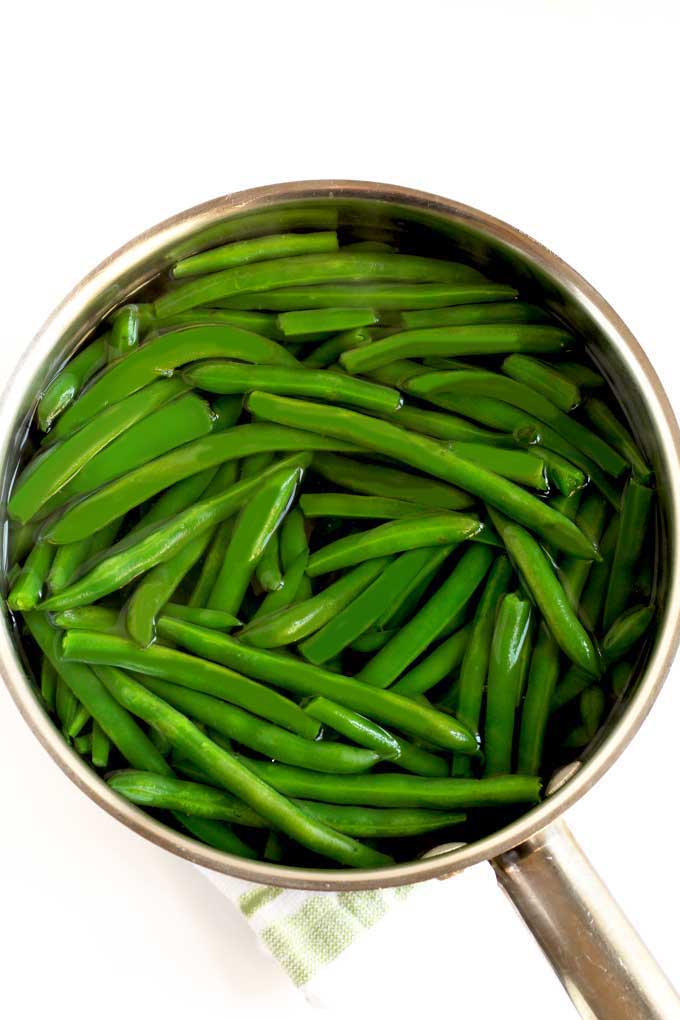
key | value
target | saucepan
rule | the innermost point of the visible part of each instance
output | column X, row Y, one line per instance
column 602, row 963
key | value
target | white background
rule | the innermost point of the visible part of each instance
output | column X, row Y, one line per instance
column 560, row 118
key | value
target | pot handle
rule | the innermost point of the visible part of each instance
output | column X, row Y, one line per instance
column 598, row 956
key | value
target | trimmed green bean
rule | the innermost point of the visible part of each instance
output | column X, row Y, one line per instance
column 88, row 618
column 429, row 530
column 48, row 474
column 303, row 270
column 125, row 331
column 68, row 559
column 255, row 322
column 219, row 540
column 63, row 390
column 259, row 249
column 27, row 589
column 379, row 480
column 268, row 570
column 516, row 465
column 386, row 823
column 438, row 665
column 329, row 351
column 230, row 377
column 611, row 429
column 545, row 379
column 284, row 596
column 114, row 720
column 83, row 744
column 491, row 384
column 386, row 296
column 543, row 674
column 282, row 670
column 232, row 774
column 569, row 687
column 188, row 671
column 370, row 641
column 564, row 475
column 355, row 727
column 429, row 622
column 401, row 604
column 253, row 529
column 537, row 573
column 48, row 683
column 101, row 746
column 301, row 619
column 446, row 426
column 325, row 320
column 573, row 573
column 470, row 315
column 510, row 635
column 264, row 737
column 363, row 611
column 170, row 794
column 495, row 338
column 620, row 677
column 215, row 834
column 635, row 512
column 595, row 589
column 211, row 618
column 397, row 790
column 426, row 454
column 581, row 374
column 94, row 511
column 625, row 632
column 338, row 504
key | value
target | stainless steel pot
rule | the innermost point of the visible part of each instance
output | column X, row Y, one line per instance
column 602, row 963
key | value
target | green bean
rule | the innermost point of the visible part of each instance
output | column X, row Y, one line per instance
column 157, row 587
column 446, row 426
column 429, row 622
column 626, row 631
column 66, row 704
column 538, row 575
column 355, row 727
column 229, row 772
column 497, row 414
column 211, row 618
column 116, row 723
column 363, row 611
column 565, row 476
column 83, row 744
column 215, row 834
column 329, row 351
column 338, row 504
column 188, row 671
column 635, row 511
column 175, row 498
column 621, row 675
column 160, row 741
column 303, row 270
column 516, row 465
column 401, row 604
column 595, row 589
column 325, row 320
column 611, row 429
column 129, row 491
column 230, row 377
column 498, row 338
column 63, row 390
column 293, row 538
column 591, row 706
column 302, row 678
column 470, row 315
column 379, row 480
column 28, row 587
column 381, row 822
column 397, row 790
column 127, row 561
column 101, row 746
column 161, row 355
column 375, row 246
column 268, row 570
column 68, row 559
column 48, row 683
column 573, row 573
column 429, row 530
column 370, row 641
column 581, row 374
column 301, row 619
column 491, row 384
column 125, row 331
column 273, row 848
column 385, row 296
column 438, row 665
column 182, row 420
column 545, row 379
column 269, row 740
column 286, row 594
column 569, row 687
column 170, row 794
column 47, row 475
column 505, row 659
column 88, row 618
column 258, row 249
column 254, row 322
column 253, row 530
column 543, row 673
column 20, row 540
column 475, row 661
column 219, row 540
column 424, row 453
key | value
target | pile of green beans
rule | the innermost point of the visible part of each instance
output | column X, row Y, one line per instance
column 331, row 549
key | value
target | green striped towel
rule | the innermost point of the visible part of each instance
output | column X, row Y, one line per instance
column 305, row 932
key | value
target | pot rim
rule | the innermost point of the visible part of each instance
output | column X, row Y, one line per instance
column 102, row 284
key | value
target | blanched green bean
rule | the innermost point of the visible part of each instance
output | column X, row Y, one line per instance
column 379, row 480
column 386, row 296
column 510, row 637
column 126, row 328
column 438, row 665
column 259, row 249
column 625, row 632
column 338, row 504
column 27, row 589
column 325, row 320
column 470, row 315
column 543, row 378
column 611, row 429
column 635, row 511
column 63, row 390
column 329, row 351
column 401, row 604
column 543, row 674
